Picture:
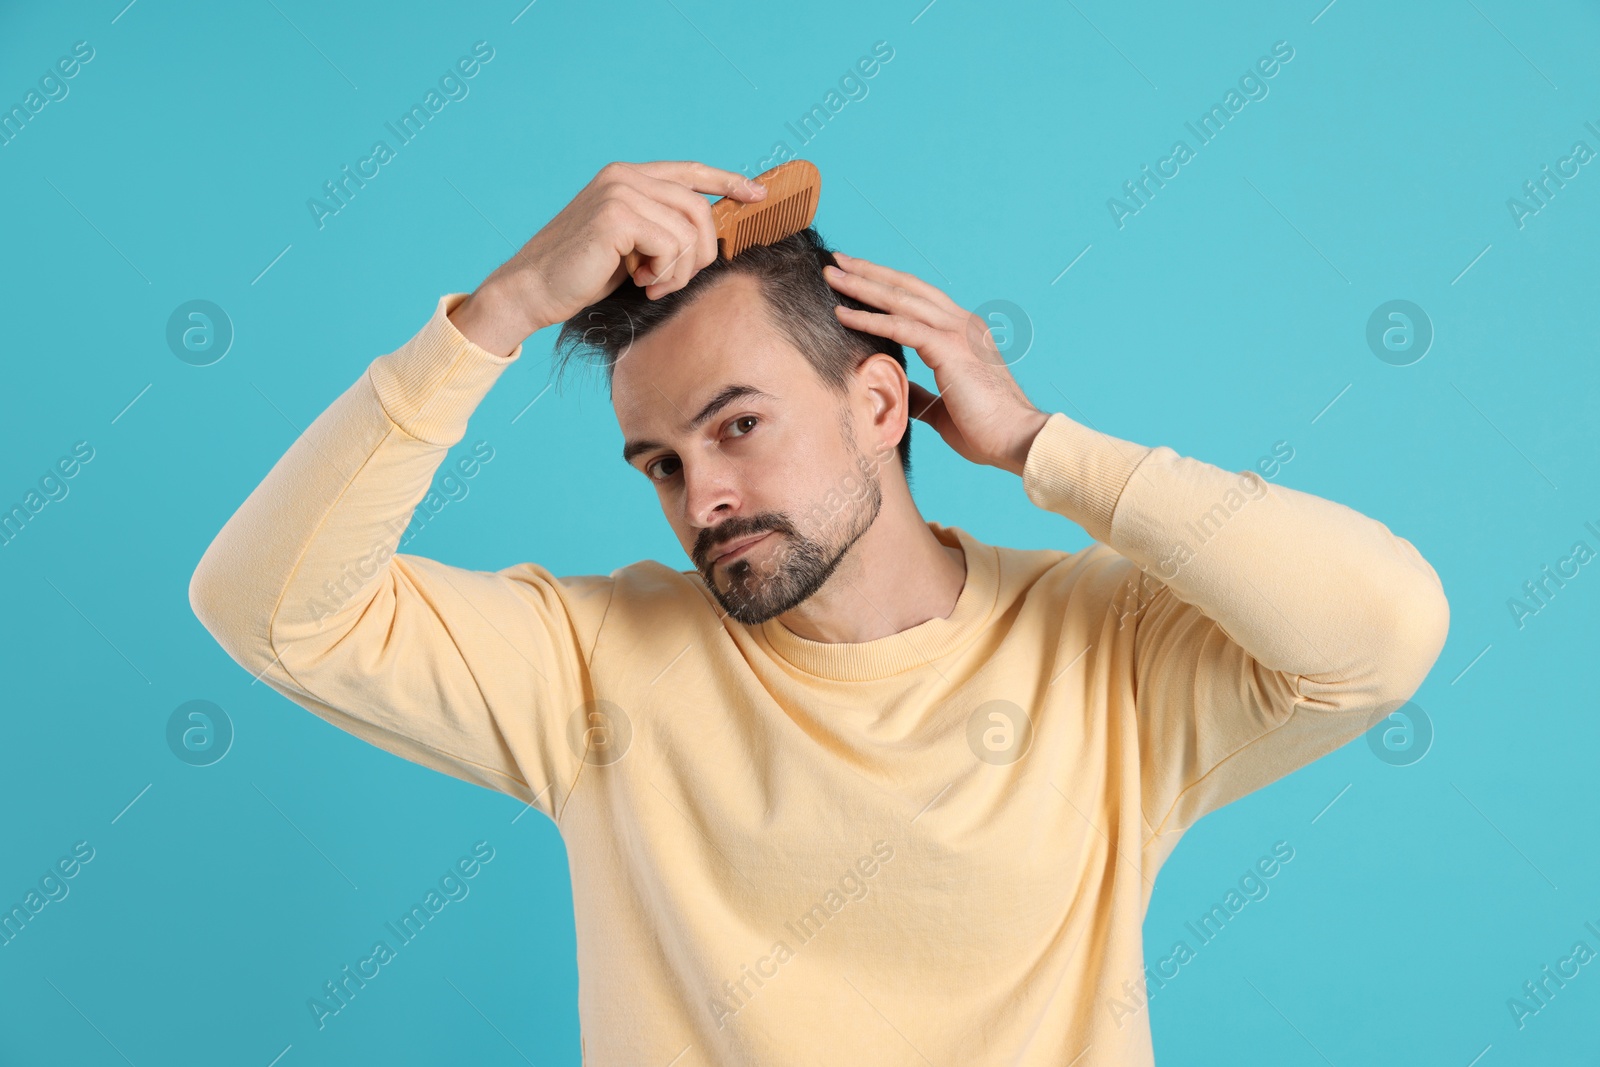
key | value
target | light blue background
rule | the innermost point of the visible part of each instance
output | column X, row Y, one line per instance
column 1221, row 319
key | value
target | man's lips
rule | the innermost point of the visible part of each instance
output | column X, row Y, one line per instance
column 735, row 547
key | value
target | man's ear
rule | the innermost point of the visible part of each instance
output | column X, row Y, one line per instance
column 883, row 387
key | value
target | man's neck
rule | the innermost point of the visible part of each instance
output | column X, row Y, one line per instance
column 896, row 576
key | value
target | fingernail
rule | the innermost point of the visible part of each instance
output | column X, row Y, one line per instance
column 757, row 187
column 840, row 255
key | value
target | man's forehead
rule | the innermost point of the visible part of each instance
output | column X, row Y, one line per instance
column 724, row 338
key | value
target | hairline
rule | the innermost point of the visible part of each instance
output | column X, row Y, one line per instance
column 731, row 391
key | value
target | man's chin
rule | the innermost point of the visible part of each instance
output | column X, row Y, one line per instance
column 771, row 577
column 751, row 594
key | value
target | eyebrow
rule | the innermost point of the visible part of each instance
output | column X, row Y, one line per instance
column 725, row 396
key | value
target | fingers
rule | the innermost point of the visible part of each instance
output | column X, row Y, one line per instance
column 892, row 297
column 922, row 402
column 888, row 276
column 906, row 330
column 697, row 210
column 933, row 409
column 662, row 235
column 704, row 179
column 677, row 185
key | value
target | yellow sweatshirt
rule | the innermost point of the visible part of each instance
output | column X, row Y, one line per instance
column 936, row 847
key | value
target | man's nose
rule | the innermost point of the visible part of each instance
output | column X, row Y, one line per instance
column 711, row 496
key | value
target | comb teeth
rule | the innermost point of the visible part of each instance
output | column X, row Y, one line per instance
column 773, row 223
column 793, row 189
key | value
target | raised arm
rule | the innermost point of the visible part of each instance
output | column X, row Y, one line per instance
column 1269, row 626
column 462, row 671
column 475, row 674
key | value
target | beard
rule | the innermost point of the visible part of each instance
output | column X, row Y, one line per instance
column 794, row 566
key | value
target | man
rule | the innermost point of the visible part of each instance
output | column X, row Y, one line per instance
column 857, row 787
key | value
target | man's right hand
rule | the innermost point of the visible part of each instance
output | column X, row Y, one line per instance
column 654, row 208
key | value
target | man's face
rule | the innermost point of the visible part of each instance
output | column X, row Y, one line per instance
column 742, row 439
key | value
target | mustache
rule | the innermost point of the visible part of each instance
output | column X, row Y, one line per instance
column 733, row 530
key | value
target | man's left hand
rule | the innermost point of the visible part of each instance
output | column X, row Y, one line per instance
column 979, row 410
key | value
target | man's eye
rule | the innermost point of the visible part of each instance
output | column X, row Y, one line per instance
column 650, row 469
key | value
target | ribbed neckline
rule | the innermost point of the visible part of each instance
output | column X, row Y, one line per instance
column 911, row 648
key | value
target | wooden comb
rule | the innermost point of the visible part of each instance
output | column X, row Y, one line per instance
column 789, row 206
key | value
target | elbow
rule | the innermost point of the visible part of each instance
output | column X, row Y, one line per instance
column 222, row 605
column 1413, row 636
column 1397, row 623
column 205, row 597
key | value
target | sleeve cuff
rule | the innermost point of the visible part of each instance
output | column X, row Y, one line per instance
column 430, row 386
column 1079, row 472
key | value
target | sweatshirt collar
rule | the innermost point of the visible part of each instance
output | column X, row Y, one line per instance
column 909, row 649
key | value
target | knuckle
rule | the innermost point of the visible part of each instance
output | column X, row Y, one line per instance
column 614, row 176
column 613, row 210
column 662, row 235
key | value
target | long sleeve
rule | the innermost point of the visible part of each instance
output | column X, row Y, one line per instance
column 474, row 674
column 1268, row 626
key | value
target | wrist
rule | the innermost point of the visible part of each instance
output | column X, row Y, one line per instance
column 492, row 321
column 1015, row 458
